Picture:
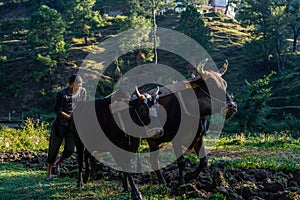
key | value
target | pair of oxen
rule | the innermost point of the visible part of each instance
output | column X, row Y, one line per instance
column 174, row 102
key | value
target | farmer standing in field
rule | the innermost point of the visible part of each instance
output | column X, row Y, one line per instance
column 64, row 106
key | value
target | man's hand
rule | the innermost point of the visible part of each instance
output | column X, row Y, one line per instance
column 65, row 115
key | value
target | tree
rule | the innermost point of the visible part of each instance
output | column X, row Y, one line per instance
column 148, row 9
column 59, row 5
column 252, row 101
column 293, row 12
column 135, row 21
column 46, row 32
column 192, row 25
column 196, row 2
column 270, row 24
column 80, row 14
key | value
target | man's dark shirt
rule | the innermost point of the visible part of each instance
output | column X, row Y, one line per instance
column 66, row 102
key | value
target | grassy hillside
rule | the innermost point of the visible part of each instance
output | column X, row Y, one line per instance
column 227, row 40
column 24, row 88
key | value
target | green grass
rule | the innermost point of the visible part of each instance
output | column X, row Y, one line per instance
column 270, row 162
column 18, row 182
column 277, row 151
column 275, row 141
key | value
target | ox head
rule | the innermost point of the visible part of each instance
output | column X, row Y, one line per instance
column 212, row 87
column 144, row 113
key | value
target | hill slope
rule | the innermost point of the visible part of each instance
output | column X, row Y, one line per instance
column 26, row 90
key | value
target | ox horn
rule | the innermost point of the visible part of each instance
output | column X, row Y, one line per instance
column 201, row 66
column 138, row 92
column 157, row 91
column 224, row 68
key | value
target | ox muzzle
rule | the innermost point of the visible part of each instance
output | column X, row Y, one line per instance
column 155, row 129
column 229, row 110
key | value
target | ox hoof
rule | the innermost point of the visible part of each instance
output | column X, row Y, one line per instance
column 136, row 196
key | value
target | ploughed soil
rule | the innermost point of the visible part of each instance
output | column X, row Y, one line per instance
column 234, row 183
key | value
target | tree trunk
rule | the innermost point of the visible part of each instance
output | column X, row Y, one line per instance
column 296, row 35
column 154, row 32
column 86, row 42
column 226, row 10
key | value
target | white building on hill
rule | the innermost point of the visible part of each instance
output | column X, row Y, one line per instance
column 219, row 6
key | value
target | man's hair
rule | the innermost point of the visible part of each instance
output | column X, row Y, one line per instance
column 75, row 77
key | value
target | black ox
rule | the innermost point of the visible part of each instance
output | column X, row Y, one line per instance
column 211, row 96
column 113, row 129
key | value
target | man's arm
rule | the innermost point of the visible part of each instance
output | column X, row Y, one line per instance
column 84, row 96
column 59, row 105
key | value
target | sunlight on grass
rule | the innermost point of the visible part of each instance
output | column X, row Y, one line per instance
column 17, row 181
column 276, row 141
column 78, row 40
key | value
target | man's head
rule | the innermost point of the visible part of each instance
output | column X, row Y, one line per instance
column 75, row 82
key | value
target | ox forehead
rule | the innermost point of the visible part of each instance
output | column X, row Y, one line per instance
column 208, row 75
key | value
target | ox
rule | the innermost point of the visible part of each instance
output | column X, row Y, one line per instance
column 202, row 85
column 139, row 111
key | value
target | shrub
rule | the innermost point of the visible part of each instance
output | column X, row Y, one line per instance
column 253, row 111
column 33, row 136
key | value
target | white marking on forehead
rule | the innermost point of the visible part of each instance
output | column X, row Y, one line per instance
column 147, row 96
column 153, row 112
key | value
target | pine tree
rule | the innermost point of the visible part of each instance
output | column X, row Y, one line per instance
column 192, row 25
column 46, row 32
column 80, row 14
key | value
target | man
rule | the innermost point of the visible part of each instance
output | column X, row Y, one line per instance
column 65, row 103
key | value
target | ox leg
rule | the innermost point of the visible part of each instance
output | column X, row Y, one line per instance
column 135, row 193
column 181, row 163
column 155, row 165
column 200, row 151
column 138, row 164
column 80, row 165
column 125, row 182
column 124, row 163
column 87, row 156
column 203, row 161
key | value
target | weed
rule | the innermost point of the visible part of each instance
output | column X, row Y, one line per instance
column 33, row 136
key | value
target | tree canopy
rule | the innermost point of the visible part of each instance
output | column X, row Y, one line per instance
column 46, row 31
column 272, row 21
column 191, row 24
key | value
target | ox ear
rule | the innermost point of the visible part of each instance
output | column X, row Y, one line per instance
column 224, row 68
column 200, row 67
